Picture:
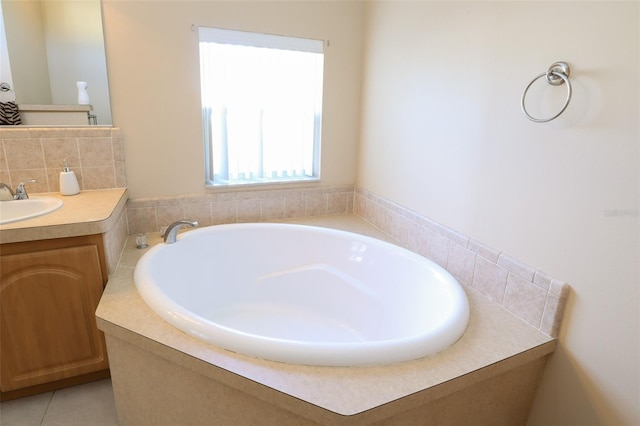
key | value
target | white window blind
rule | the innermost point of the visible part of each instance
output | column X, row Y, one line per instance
column 261, row 105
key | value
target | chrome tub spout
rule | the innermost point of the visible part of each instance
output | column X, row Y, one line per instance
column 170, row 234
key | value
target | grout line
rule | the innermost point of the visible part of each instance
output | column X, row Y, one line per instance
column 47, row 409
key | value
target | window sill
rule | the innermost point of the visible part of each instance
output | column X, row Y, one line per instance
column 260, row 183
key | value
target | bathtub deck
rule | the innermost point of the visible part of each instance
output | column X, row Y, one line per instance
column 495, row 343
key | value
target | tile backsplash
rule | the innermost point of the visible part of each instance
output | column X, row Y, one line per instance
column 529, row 293
column 151, row 214
column 95, row 154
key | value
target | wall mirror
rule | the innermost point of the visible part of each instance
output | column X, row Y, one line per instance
column 51, row 45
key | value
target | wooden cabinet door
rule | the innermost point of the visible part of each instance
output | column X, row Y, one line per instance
column 48, row 330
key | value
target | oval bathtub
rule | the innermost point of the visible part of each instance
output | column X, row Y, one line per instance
column 303, row 294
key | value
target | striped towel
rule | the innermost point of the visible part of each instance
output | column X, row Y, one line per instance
column 9, row 114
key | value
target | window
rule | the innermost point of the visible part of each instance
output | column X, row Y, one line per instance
column 261, row 106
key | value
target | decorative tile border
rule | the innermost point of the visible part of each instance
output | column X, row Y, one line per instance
column 95, row 154
column 530, row 294
column 152, row 214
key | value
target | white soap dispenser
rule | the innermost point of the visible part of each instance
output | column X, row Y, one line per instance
column 68, row 181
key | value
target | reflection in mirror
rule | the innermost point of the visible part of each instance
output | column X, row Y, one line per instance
column 51, row 45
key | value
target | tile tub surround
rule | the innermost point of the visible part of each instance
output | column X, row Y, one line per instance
column 95, row 154
column 496, row 365
column 220, row 207
column 531, row 294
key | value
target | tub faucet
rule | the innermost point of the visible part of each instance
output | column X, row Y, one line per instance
column 170, row 234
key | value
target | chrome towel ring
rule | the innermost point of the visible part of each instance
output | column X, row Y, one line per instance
column 557, row 74
column 5, row 87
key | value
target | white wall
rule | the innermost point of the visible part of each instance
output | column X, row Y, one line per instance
column 153, row 65
column 443, row 134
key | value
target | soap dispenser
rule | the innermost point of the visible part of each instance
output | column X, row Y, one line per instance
column 68, row 181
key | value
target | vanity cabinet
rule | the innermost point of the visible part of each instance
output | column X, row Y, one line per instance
column 49, row 291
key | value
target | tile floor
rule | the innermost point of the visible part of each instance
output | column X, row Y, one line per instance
column 90, row 404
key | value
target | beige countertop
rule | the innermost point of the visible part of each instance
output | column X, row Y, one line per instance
column 494, row 342
column 89, row 212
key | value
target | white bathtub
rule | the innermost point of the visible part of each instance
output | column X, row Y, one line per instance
column 303, row 294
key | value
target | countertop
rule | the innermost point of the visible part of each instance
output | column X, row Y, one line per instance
column 89, row 212
column 494, row 342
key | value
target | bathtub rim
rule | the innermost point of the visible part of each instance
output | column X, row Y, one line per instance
column 380, row 352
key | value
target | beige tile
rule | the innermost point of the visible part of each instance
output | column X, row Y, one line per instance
column 554, row 308
column 542, row 280
column 89, row 404
column 383, row 218
column 57, row 150
column 89, row 132
column 272, row 208
column 47, row 132
column 26, row 411
column 53, row 177
column 417, row 239
column 166, row 215
column 95, row 152
column 120, row 173
column 485, row 251
column 437, row 248
column 516, row 266
column 457, row 237
column 198, row 211
column 98, row 177
column 316, row 204
column 400, row 228
column 224, row 211
column 490, row 279
column 24, row 154
column 337, row 203
column 295, row 206
column 118, row 148
column 558, row 287
column 461, row 263
column 13, row 133
column 142, row 220
column 40, row 175
column 524, row 299
column 249, row 210
column 359, row 206
column 432, row 225
column 350, row 198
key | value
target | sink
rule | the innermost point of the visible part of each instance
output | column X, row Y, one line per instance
column 16, row 210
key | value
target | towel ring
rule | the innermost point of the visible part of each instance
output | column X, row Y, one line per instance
column 5, row 87
column 557, row 74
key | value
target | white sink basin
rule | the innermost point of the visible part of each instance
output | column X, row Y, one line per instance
column 16, row 210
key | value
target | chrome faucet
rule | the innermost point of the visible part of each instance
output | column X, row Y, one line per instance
column 6, row 193
column 170, row 234
column 21, row 191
